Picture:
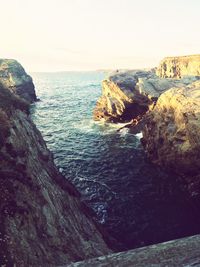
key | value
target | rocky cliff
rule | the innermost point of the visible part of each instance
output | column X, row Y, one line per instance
column 177, row 67
column 170, row 109
column 42, row 220
column 166, row 109
column 14, row 78
column 129, row 94
column 171, row 136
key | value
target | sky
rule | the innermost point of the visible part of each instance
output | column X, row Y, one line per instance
column 68, row 35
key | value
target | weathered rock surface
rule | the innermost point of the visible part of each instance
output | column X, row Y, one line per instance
column 14, row 77
column 183, row 252
column 172, row 132
column 127, row 95
column 177, row 67
column 42, row 220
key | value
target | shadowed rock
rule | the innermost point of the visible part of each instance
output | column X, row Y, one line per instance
column 177, row 253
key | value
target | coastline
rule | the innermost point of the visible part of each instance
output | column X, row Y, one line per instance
column 146, row 103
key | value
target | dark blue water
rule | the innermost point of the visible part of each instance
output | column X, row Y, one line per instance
column 134, row 201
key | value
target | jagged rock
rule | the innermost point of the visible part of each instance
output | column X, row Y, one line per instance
column 14, row 77
column 171, row 136
column 129, row 94
column 42, row 220
column 177, row 67
column 177, row 253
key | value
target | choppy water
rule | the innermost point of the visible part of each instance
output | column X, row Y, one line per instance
column 136, row 202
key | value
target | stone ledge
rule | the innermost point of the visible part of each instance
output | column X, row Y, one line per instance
column 184, row 252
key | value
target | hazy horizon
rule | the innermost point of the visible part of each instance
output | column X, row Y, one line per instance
column 88, row 35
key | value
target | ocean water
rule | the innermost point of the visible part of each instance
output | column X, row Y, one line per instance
column 136, row 202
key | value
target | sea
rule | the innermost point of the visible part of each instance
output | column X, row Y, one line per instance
column 136, row 202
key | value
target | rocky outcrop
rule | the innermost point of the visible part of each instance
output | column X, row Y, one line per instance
column 14, row 78
column 171, row 136
column 177, row 67
column 42, row 220
column 177, row 253
column 120, row 100
column 129, row 94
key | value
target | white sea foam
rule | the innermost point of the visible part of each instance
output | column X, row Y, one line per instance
column 139, row 135
column 124, row 131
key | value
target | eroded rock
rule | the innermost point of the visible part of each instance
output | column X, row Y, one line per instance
column 129, row 94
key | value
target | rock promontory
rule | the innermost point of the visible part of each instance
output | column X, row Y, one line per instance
column 177, row 67
column 129, row 94
column 42, row 219
column 15, row 79
column 165, row 107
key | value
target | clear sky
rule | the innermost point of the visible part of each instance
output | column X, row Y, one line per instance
column 53, row 35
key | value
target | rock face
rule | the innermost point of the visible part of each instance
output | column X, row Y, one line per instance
column 14, row 77
column 177, row 67
column 42, row 220
column 120, row 100
column 171, row 136
column 182, row 252
column 127, row 95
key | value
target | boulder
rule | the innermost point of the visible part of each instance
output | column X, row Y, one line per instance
column 14, row 78
column 177, row 67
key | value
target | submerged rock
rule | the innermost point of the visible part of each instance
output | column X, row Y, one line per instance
column 42, row 220
column 129, row 94
column 14, row 78
column 177, row 67
column 171, row 136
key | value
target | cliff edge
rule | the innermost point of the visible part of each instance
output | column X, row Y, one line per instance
column 177, row 67
column 182, row 252
column 42, row 220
